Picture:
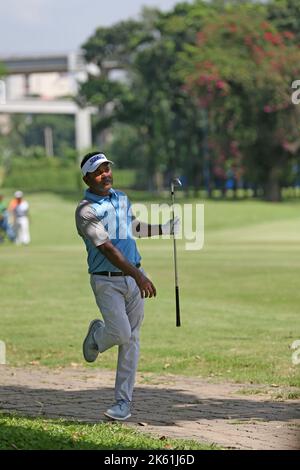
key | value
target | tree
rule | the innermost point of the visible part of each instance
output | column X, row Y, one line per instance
column 124, row 146
column 152, row 99
column 26, row 136
column 206, row 90
column 62, row 127
column 2, row 70
column 240, row 71
column 285, row 15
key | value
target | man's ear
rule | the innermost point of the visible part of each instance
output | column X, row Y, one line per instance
column 85, row 180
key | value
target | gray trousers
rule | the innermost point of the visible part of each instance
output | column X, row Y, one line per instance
column 119, row 300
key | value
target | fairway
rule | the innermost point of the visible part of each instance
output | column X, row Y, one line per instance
column 239, row 295
column 39, row 434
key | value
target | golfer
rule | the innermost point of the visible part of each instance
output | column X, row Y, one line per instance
column 107, row 226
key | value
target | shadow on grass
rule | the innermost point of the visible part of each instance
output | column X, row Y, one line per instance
column 16, row 437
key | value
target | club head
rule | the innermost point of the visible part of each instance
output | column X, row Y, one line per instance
column 176, row 182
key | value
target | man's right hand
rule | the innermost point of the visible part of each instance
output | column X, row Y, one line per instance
column 146, row 287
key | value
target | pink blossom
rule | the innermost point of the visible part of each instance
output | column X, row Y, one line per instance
column 267, row 108
column 289, row 34
column 220, row 84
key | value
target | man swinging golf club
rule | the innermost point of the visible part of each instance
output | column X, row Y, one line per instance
column 107, row 226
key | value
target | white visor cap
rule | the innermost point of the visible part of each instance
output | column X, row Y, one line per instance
column 92, row 163
column 19, row 194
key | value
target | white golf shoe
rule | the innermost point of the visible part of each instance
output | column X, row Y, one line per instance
column 119, row 411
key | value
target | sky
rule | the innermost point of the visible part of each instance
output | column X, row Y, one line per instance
column 54, row 26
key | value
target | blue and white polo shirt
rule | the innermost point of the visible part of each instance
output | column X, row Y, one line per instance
column 102, row 218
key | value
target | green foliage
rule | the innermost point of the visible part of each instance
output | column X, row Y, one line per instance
column 285, row 15
column 123, row 148
column 241, row 70
column 26, row 136
column 53, row 174
column 207, row 86
column 62, row 131
column 100, row 91
column 2, row 70
column 45, row 174
column 115, row 43
column 151, row 99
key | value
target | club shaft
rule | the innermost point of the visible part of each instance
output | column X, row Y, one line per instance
column 175, row 254
column 175, row 263
column 177, row 306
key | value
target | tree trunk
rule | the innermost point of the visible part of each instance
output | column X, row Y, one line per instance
column 272, row 187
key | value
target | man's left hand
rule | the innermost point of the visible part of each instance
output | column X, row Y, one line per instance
column 171, row 227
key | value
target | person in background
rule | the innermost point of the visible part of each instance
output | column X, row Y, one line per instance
column 19, row 209
column 5, row 226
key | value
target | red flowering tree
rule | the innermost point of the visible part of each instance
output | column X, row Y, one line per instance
column 240, row 71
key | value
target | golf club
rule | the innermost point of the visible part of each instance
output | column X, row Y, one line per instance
column 175, row 182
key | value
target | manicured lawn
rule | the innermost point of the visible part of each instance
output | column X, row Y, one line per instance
column 20, row 433
column 240, row 295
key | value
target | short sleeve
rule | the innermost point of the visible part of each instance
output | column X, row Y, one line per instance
column 89, row 226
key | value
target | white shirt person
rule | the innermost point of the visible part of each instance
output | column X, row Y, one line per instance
column 20, row 211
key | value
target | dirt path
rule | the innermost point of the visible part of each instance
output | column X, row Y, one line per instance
column 172, row 406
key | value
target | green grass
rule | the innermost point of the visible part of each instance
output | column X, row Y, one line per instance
column 240, row 295
column 20, row 433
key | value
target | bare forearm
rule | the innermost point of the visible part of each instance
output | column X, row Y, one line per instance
column 146, row 287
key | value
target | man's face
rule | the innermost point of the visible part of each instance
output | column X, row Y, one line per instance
column 101, row 179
